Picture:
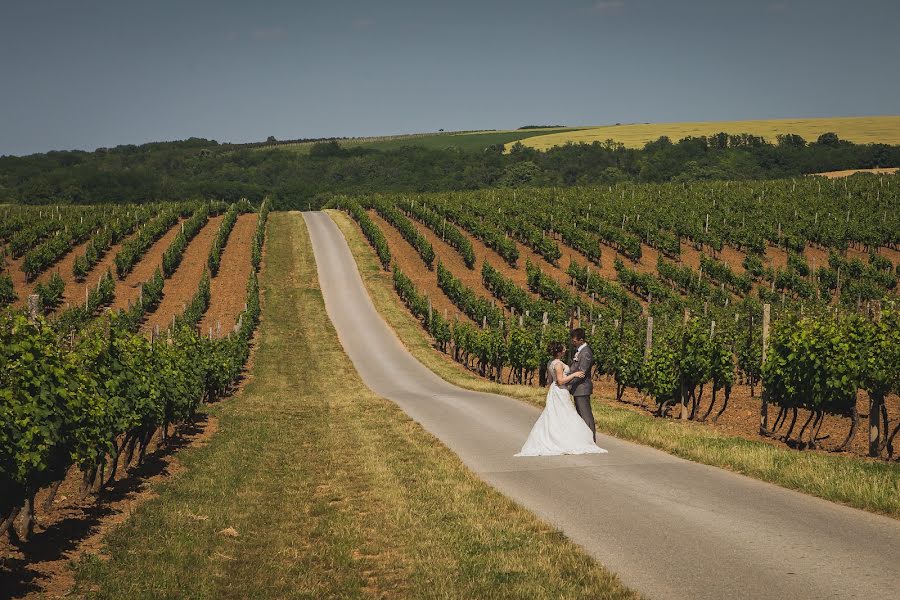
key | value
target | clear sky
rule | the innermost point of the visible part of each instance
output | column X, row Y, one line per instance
column 83, row 74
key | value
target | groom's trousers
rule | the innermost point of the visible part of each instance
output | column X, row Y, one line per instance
column 583, row 406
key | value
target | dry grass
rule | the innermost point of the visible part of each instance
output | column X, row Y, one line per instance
column 861, row 483
column 315, row 487
column 860, row 130
column 849, row 172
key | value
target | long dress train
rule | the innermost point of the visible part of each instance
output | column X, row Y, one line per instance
column 559, row 429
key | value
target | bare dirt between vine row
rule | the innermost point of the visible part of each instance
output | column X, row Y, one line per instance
column 63, row 266
column 472, row 277
column 227, row 289
column 741, row 418
column 518, row 274
column 22, row 288
column 40, row 568
column 128, row 289
column 407, row 258
column 181, row 286
column 74, row 294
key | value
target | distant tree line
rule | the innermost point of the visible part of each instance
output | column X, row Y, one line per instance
column 206, row 169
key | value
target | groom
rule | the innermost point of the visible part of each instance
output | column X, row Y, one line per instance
column 582, row 387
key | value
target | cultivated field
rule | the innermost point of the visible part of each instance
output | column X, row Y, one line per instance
column 144, row 315
column 849, row 172
column 162, row 304
column 860, row 130
column 465, row 140
column 492, row 275
column 307, row 484
column 114, row 298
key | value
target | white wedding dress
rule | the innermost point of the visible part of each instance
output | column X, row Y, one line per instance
column 559, row 429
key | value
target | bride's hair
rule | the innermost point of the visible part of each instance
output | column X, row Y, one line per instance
column 555, row 348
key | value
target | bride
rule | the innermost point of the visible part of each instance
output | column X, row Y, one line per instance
column 559, row 429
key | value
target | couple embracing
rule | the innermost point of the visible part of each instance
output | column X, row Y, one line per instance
column 564, row 427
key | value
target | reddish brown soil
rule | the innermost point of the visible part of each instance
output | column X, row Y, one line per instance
column 407, row 258
column 41, row 568
column 741, row 418
column 733, row 257
column 890, row 254
column 816, row 257
column 483, row 253
column 74, row 293
column 450, row 258
column 690, row 256
column 127, row 290
column 647, row 264
column 776, row 257
column 228, row 288
column 857, row 253
column 182, row 285
column 13, row 267
column 519, row 275
column 608, row 256
column 63, row 267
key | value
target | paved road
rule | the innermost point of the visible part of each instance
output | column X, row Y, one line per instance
column 670, row 528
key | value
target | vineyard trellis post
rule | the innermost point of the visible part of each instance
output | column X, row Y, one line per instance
column 764, row 403
column 875, row 410
column 682, row 389
column 648, row 346
column 34, row 303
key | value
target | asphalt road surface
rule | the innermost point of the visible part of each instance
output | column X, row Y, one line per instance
column 670, row 528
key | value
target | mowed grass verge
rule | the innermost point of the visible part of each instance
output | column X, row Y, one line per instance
column 860, row 130
column 314, row 487
column 861, row 483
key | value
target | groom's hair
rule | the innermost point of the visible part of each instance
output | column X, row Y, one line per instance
column 578, row 334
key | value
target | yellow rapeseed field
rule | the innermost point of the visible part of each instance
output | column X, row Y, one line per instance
column 861, row 130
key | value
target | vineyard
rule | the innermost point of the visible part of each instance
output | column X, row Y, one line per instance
column 765, row 309
column 111, row 336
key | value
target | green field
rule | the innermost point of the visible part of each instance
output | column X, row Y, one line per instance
column 469, row 140
column 860, row 130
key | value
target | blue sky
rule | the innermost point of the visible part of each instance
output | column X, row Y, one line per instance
column 84, row 74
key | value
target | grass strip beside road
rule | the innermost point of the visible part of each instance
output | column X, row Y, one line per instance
column 315, row 487
column 861, row 483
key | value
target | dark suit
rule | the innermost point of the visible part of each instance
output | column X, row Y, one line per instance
column 582, row 388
